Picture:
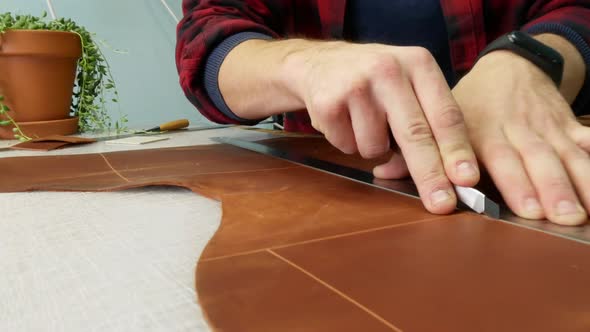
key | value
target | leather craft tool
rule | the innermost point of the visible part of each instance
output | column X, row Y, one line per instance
column 145, row 132
column 138, row 140
column 169, row 126
column 470, row 197
column 172, row 125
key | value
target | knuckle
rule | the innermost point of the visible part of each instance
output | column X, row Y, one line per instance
column 450, row 117
column 386, row 65
column 316, row 125
column 419, row 132
column 420, row 56
column 320, row 104
column 342, row 144
column 371, row 151
column 331, row 112
column 433, row 178
column 326, row 107
column 359, row 89
column 455, row 149
column 558, row 184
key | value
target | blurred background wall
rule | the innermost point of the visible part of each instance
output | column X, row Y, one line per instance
column 146, row 74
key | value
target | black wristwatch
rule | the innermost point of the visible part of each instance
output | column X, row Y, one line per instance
column 545, row 57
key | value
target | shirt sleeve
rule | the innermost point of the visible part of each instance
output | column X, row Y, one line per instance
column 571, row 20
column 206, row 24
column 213, row 65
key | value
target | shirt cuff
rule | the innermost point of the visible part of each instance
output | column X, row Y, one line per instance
column 580, row 105
column 213, row 65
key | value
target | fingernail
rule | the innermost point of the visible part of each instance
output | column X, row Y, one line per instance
column 532, row 205
column 466, row 169
column 439, row 197
column 565, row 208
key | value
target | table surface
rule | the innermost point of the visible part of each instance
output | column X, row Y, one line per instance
column 120, row 261
column 110, row 261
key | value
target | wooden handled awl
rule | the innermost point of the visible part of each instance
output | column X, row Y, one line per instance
column 172, row 125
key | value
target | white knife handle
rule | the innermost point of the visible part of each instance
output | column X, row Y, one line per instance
column 472, row 198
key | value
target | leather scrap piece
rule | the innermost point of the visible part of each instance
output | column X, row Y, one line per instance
column 301, row 250
column 51, row 143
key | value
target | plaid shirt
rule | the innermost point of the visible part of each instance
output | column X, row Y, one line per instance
column 471, row 25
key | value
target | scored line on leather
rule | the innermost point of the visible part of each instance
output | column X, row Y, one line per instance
column 336, row 291
column 111, row 166
column 56, row 179
column 325, row 238
column 131, row 170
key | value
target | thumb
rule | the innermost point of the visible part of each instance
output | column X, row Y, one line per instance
column 395, row 168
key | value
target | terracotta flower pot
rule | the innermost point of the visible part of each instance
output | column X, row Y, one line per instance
column 37, row 72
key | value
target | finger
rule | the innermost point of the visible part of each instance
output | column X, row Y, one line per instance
column 584, row 120
column 576, row 161
column 506, row 168
column 336, row 127
column 548, row 175
column 369, row 124
column 395, row 168
column 412, row 134
column 581, row 136
column 445, row 119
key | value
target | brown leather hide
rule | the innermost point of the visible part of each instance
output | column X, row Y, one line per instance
column 301, row 250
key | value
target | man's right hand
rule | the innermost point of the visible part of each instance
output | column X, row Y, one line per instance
column 356, row 93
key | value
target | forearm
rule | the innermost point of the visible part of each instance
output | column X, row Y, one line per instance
column 256, row 81
column 574, row 69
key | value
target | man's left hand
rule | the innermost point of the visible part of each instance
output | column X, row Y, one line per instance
column 526, row 136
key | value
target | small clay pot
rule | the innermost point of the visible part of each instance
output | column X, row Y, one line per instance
column 37, row 72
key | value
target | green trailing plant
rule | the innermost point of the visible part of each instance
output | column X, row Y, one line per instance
column 18, row 133
column 94, row 84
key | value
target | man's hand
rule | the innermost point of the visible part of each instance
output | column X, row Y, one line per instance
column 525, row 134
column 355, row 93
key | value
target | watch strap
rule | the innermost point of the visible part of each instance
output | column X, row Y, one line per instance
column 543, row 56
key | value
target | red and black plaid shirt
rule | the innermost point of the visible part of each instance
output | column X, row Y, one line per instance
column 471, row 24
